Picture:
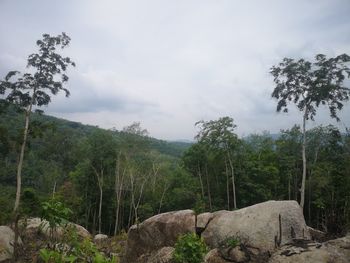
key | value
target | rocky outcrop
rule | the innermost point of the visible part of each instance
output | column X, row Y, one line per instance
column 7, row 239
column 302, row 251
column 265, row 226
column 157, row 232
column 259, row 230
column 36, row 225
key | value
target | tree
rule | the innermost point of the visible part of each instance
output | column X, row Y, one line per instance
column 219, row 135
column 101, row 153
column 33, row 89
column 309, row 85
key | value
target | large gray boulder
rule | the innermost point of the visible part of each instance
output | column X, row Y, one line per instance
column 7, row 239
column 264, row 226
column 163, row 255
column 157, row 232
column 36, row 225
column 335, row 251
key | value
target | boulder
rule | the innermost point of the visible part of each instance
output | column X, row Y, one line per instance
column 335, row 251
column 214, row 256
column 7, row 239
column 204, row 219
column 317, row 235
column 264, row 226
column 157, row 232
column 37, row 225
column 163, row 255
column 100, row 237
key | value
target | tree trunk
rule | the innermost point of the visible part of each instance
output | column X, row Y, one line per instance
column 118, row 191
column 99, row 177
column 21, row 157
column 100, row 210
column 302, row 190
column 289, row 186
column 201, row 180
column 310, row 177
column 208, row 187
column 227, row 186
column 162, row 198
column 233, row 184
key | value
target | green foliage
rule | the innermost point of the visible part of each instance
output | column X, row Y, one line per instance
column 74, row 250
column 189, row 248
column 231, row 242
column 311, row 84
column 55, row 212
column 30, row 202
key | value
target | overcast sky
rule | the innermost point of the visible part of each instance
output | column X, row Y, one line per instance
column 168, row 64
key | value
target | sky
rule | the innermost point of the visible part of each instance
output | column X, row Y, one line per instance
column 168, row 64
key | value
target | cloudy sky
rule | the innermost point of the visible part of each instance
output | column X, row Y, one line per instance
column 170, row 63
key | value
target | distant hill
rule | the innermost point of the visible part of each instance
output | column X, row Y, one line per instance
column 14, row 121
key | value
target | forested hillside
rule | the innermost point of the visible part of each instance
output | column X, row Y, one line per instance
column 112, row 179
column 67, row 159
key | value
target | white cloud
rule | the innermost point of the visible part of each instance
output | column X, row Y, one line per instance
column 169, row 64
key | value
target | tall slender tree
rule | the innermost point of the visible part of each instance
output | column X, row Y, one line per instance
column 309, row 85
column 33, row 89
column 219, row 135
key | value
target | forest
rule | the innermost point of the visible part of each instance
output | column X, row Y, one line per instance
column 111, row 179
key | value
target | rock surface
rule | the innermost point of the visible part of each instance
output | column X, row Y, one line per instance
column 100, row 237
column 214, row 256
column 260, row 229
column 317, row 235
column 157, row 232
column 264, row 226
column 163, row 255
column 335, row 251
column 7, row 239
column 42, row 226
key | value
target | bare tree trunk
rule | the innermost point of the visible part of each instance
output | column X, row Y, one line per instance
column 135, row 203
column 208, row 187
column 100, row 210
column 233, row 184
column 130, row 214
column 302, row 190
column 118, row 191
column 54, row 190
column 99, row 177
column 289, row 186
column 227, row 186
column 310, row 177
column 155, row 170
column 21, row 157
column 94, row 222
column 162, row 197
column 201, row 180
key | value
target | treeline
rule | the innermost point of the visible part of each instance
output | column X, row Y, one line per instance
column 109, row 178
column 113, row 179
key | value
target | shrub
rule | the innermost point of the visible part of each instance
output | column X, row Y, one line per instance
column 189, row 248
column 55, row 212
column 74, row 250
column 232, row 242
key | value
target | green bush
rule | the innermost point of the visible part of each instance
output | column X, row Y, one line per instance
column 55, row 212
column 232, row 242
column 189, row 248
column 74, row 250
